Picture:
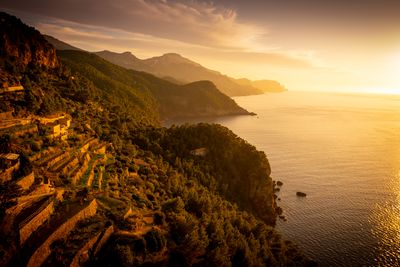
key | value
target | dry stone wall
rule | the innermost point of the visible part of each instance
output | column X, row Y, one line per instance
column 27, row 181
column 31, row 226
column 40, row 255
column 83, row 254
column 103, row 240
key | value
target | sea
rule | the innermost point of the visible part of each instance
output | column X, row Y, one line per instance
column 343, row 151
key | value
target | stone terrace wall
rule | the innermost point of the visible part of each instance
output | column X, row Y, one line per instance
column 69, row 166
column 43, row 154
column 6, row 115
column 103, row 239
column 10, row 89
column 91, row 174
column 28, row 129
column 40, row 255
column 76, row 175
column 100, row 149
column 57, row 159
column 27, row 181
column 83, row 254
column 33, row 225
column 7, row 174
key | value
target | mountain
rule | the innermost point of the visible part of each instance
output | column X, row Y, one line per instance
column 126, row 60
column 14, row 45
column 89, row 178
column 181, row 69
column 173, row 101
column 268, row 86
column 20, row 48
column 60, row 45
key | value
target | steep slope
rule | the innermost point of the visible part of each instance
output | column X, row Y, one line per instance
column 125, row 59
column 125, row 192
column 177, row 69
column 181, row 69
column 60, row 45
column 196, row 99
column 14, row 45
column 20, row 48
column 268, row 86
column 26, row 58
column 227, row 159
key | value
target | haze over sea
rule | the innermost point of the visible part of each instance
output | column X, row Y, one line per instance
column 344, row 152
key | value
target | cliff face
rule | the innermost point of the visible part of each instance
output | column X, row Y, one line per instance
column 262, row 201
column 24, row 45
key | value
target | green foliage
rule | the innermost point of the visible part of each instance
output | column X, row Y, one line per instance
column 231, row 166
column 25, row 167
column 173, row 205
column 148, row 95
column 202, row 227
column 155, row 241
column 5, row 143
column 123, row 255
column 113, row 84
column 207, row 209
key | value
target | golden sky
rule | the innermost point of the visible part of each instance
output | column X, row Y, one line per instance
column 304, row 44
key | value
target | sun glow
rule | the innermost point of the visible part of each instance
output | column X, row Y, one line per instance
column 394, row 70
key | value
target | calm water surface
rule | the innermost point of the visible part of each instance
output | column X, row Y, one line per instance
column 344, row 152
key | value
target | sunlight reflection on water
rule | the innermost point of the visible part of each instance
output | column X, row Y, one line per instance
column 344, row 152
column 386, row 221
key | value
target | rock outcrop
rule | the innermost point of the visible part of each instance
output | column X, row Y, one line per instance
column 21, row 50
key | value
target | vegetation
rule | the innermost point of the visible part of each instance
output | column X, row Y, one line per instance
column 179, row 70
column 188, row 210
column 231, row 166
column 170, row 100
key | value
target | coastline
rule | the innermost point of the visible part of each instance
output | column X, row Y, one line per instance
column 200, row 119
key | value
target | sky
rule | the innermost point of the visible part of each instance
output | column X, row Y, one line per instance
column 351, row 45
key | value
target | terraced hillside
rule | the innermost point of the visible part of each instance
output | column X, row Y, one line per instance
column 87, row 177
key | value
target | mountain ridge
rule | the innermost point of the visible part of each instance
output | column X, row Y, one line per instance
column 60, row 45
column 192, row 100
column 123, row 191
column 182, row 70
column 13, row 46
column 268, row 86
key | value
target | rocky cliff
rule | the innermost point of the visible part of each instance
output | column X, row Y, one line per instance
column 24, row 45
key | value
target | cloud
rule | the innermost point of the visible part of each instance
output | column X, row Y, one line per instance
column 95, row 38
column 70, row 29
column 192, row 21
column 149, row 27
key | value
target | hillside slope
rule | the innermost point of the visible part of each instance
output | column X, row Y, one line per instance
column 60, row 45
column 181, row 69
column 191, row 100
column 267, row 86
column 95, row 181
